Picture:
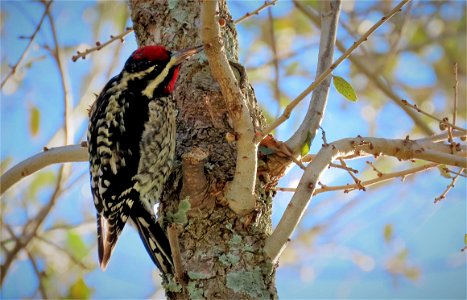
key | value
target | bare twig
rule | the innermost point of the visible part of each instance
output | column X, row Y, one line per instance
column 39, row 275
column 343, row 167
column 443, row 121
column 377, row 79
column 456, row 84
column 380, row 179
column 281, row 57
column 324, row 75
column 31, row 39
column 442, row 137
column 378, row 172
column 357, row 181
column 256, row 11
column 240, row 192
column 100, row 45
column 73, row 153
column 72, row 258
column 31, row 227
column 447, row 170
column 272, row 36
column 402, row 149
column 65, row 80
column 449, row 187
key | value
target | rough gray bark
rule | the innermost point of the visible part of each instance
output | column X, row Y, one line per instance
column 221, row 253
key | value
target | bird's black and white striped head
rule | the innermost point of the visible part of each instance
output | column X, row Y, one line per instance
column 155, row 68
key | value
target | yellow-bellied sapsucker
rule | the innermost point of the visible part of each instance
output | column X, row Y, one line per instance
column 131, row 144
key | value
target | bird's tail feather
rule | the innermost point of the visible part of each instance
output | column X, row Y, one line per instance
column 153, row 237
column 107, row 235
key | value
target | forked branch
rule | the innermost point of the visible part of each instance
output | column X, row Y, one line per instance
column 402, row 149
column 288, row 110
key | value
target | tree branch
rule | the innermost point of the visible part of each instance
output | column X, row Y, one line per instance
column 312, row 86
column 266, row 3
column 372, row 76
column 240, row 192
column 100, row 45
column 32, row 226
column 330, row 19
column 72, row 153
column 65, row 81
column 379, row 179
column 402, row 149
column 31, row 39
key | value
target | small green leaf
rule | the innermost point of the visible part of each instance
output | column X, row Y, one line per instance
column 34, row 120
column 465, row 239
column 306, row 146
column 344, row 88
column 79, row 290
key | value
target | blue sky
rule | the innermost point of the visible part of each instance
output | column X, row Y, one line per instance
column 327, row 269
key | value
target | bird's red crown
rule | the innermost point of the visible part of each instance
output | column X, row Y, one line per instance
column 151, row 53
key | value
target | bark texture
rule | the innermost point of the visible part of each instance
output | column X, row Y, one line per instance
column 221, row 253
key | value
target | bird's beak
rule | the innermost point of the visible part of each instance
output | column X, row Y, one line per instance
column 181, row 55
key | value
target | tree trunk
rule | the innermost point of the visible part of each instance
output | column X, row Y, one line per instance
column 221, row 253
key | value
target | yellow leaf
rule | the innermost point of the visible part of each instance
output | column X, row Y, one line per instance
column 34, row 120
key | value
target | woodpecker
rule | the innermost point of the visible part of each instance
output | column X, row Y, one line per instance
column 131, row 145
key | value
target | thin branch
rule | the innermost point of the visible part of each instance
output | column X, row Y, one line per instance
column 100, row 45
column 378, row 172
column 314, row 116
column 442, row 137
column 372, row 76
column 240, row 192
column 357, row 181
column 443, row 121
column 31, row 228
column 449, row 187
column 455, row 173
column 456, row 84
column 272, row 36
column 380, row 179
column 72, row 153
column 324, row 75
column 39, row 274
column 343, row 167
column 31, row 39
column 402, row 149
column 72, row 258
column 281, row 57
column 256, row 11
column 87, row 96
column 65, row 81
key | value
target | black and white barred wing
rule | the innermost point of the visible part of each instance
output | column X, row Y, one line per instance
column 114, row 157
